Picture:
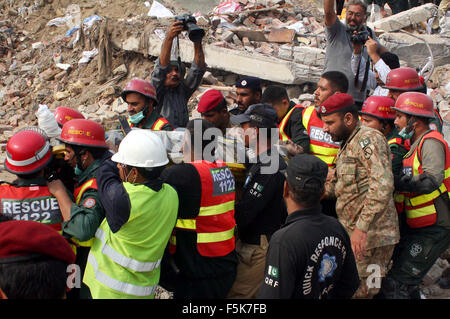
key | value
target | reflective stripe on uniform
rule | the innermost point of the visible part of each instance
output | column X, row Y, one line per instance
column 214, row 237
column 83, row 188
column 159, row 124
column 283, row 135
column 216, row 209
column 117, row 285
column 122, row 260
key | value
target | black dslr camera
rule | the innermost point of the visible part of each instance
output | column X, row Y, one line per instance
column 196, row 33
column 360, row 37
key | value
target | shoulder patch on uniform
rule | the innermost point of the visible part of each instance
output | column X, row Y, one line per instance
column 89, row 202
column 365, row 142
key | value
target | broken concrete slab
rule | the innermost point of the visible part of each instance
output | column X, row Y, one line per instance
column 281, row 35
column 303, row 55
column 414, row 51
column 406, row 18
column 245, row 63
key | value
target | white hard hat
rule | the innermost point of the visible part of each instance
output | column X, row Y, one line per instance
column 141, row 148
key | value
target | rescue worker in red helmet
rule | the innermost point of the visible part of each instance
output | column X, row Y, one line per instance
column 406, row 79
column 377, row 113
column 64, row 114
column 141, row 98
column 86, row 150
column 425, row 184
column 28, row 154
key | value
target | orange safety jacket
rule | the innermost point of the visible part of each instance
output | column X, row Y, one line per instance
column 282, row 125
column 420, row 209
column 320, row 144
column 34, row 203
column 157, row 126
column 78, row 194
column 215, row 222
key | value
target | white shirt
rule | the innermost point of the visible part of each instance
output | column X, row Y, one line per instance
column 382, row 68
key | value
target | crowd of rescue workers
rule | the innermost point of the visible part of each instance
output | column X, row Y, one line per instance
column 355, row 203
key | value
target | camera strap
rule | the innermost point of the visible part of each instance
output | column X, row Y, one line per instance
column 366, row 73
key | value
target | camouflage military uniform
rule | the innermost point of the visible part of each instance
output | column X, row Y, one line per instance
column 363, row 185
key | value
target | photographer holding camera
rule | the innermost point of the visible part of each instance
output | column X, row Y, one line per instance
column 382, row 63
column 340, row 39
column 172, row 89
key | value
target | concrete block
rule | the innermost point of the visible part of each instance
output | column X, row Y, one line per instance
column 415, row 51
column 406, row 18
column 245, row 63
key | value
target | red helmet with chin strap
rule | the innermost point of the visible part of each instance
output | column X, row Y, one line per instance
column 27, row 152
column 140, row 86
column 416, row 104
column 379, row 107
column 64, row 114
column 83, row 133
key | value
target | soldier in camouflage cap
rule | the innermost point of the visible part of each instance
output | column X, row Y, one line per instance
column 363, row 184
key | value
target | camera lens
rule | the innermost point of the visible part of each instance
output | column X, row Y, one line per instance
column 196, row 33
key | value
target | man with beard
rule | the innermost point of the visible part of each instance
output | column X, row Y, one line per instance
column 172, row 89
column 248, row 91
column 339, row 44
column 363, row 184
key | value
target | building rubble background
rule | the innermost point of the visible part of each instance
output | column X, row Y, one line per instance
column 81, row 54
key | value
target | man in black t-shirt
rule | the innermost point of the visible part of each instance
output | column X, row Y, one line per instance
column 310, row 257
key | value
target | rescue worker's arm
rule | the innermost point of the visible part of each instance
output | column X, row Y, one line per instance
column 113, row 196
column 59, row 191
column 433, row 164
column 257, row 194
column 376, row 165
column 397, row 158
column 280, row 271
column 86, row 217
column 186, row 181
column 297, row 131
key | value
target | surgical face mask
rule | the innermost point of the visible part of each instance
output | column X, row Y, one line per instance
column 136, row 118
column 78, row 171
column 408, row 131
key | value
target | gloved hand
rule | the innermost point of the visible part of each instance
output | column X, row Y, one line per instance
column 404, row 183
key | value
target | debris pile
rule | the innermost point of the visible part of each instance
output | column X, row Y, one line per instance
column 81, row 54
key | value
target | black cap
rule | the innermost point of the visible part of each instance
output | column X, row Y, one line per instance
column 249, row 82
column 307, row 172
column 261, row 115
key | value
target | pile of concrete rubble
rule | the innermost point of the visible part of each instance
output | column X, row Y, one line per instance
column 82, row 53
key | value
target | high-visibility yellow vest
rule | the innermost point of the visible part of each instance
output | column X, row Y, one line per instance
column 126, row 264
column 320, row 143
column 283, row 135
column 420, row 209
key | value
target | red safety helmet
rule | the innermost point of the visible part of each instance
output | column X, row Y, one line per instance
column 416, row 104
column 379, row 107
column 140, row 86
column 27, row 152
column 403, row 79
column 83, row 133
column 64, row 114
